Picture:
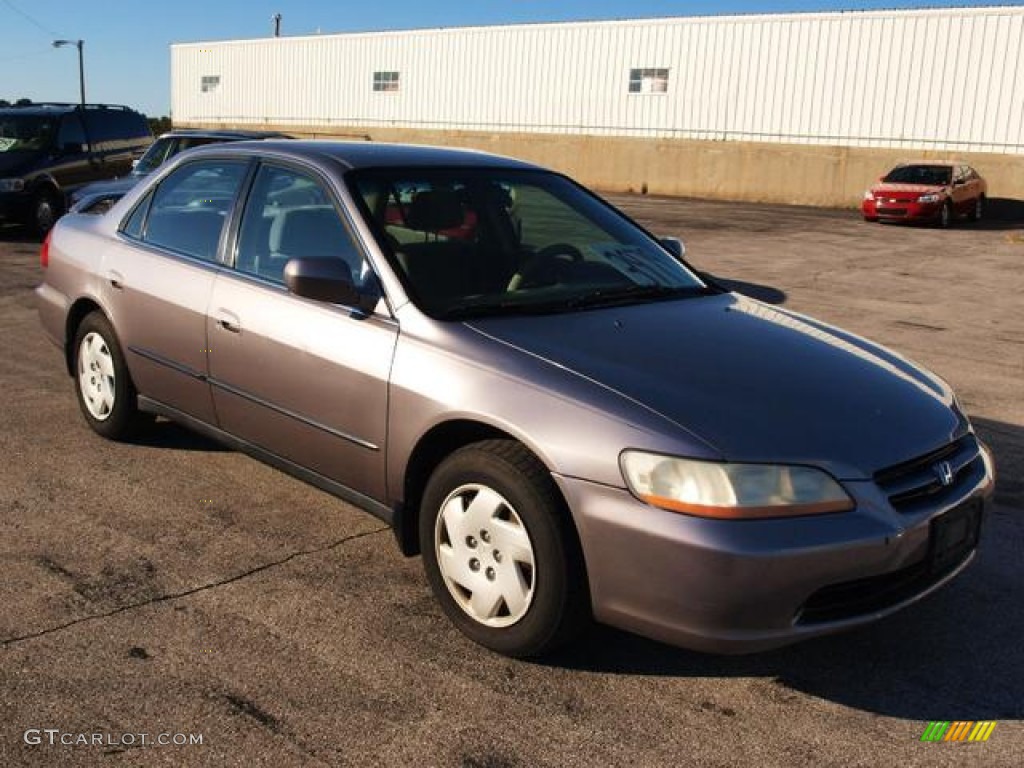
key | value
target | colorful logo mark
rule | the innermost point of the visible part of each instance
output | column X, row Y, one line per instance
column 958, row 730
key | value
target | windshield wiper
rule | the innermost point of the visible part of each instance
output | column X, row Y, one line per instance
column 607, row 297
column 490, row 309
column 600, row 297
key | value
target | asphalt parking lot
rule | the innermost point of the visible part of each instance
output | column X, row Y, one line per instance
column 173, row 587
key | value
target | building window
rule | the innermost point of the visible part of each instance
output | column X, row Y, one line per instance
column 385, row 81
column 209, row 83
column 648, row 80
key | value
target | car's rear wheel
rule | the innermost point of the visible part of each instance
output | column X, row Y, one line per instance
column 946, row 215
column 978, row 209
column 500, row 552
column 105, row 391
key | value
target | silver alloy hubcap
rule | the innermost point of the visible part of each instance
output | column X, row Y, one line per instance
column 485, row 555
column 96, row 376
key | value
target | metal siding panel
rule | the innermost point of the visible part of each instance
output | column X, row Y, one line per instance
column 998, row 84
column 984, row 109
column 909, row 79
column 1014, row 130
column 774, row 97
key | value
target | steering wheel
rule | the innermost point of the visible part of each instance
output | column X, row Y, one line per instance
column 545, row 267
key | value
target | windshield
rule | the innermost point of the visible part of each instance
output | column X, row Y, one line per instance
column 471, row 242
column 931, row 175
column 25, row 132
column 153, row 157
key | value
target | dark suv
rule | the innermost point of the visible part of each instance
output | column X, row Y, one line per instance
column 98, row 197
column 47, row 150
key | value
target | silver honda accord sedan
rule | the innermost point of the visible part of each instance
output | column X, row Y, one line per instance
column 546, row 401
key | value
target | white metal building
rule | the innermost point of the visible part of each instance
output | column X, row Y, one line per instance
column 950, row 79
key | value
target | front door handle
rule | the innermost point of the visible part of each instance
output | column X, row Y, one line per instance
column 116, row 279
column 229, row 321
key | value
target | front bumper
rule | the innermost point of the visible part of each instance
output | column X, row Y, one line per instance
column 900, row 210
column 743, row 586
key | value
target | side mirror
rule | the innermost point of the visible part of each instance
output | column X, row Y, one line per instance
column 674, row 246
column 328, row 280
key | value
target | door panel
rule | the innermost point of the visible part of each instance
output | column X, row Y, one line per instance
column 162, row 329
column 159, row 278
column 305, row 380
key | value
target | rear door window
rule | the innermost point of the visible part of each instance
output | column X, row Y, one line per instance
column 190, row 207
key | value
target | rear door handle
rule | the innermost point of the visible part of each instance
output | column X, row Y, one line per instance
column 116, row 279
column 229, row 321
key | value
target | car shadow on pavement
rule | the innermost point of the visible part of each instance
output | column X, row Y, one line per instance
column 956, row 655
column 170, row 435
column 1001, row 213
column 11, row 233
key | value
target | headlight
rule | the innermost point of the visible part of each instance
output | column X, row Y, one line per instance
column 12, row 185
column 731, row 491
column 934, row 197
column 869, row 195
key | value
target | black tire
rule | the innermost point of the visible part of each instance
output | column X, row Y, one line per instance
column 978, row 210
column 946, row 215
column 46, row 209
column 558, row 606
column 871, row 219
column 106, row 394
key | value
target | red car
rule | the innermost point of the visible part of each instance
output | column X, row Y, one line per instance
column 929, row 191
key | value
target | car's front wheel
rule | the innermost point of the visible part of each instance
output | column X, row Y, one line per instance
column 500, row 552
column 946, row 215
column 46, row 209
column 105, row 391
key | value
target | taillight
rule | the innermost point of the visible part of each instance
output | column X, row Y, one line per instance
column 44, row 251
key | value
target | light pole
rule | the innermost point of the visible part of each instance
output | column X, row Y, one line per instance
column 81, row 66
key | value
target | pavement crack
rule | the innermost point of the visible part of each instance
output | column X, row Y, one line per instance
column 194, row 590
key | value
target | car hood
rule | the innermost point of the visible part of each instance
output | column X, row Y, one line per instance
column 916, row 189
column 754, row 382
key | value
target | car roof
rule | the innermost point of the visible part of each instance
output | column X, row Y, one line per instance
column 58, row 108
column 232, row 133
column 931, row 162
column 364, row 154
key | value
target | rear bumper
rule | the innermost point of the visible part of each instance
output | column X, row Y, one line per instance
column 53, row 311
column 745, row 586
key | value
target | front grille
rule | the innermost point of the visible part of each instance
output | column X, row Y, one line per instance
column 916, row 484
column 892, row 211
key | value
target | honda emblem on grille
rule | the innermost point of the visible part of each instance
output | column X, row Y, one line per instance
column 944, row 472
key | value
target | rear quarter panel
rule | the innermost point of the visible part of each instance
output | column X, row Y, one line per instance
column 76, row 257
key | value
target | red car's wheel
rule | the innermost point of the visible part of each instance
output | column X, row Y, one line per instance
column 978, row 209
column 946, row 215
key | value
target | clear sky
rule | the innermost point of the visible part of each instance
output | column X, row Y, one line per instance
column 127, row 56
